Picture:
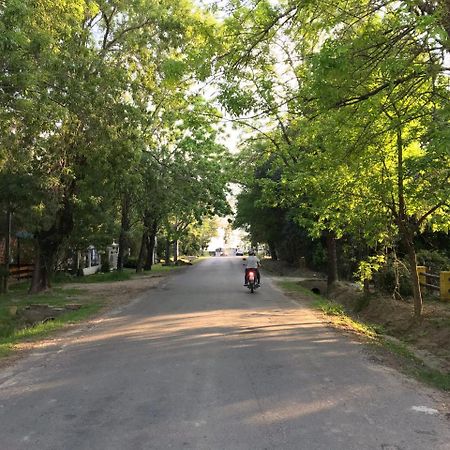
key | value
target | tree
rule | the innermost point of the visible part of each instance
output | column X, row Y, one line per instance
column 348, row 104
column 75, row 96
column 385, row 128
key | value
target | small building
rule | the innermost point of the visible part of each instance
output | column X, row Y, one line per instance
column 91, row 261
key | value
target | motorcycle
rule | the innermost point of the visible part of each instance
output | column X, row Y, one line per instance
column 252, row 282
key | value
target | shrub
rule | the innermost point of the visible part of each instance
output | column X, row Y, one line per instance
column 62, row 277
column 330, row 307
column 106, row 267
column 319, row 256
column 131, row 263
column 434, row 260
column 393, row 278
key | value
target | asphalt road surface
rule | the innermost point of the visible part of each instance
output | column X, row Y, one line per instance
column 200, row 363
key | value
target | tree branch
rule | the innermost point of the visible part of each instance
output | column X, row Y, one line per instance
column 353, row 100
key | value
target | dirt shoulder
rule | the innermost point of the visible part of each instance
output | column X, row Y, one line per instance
column 428, row 339
column 118, row 293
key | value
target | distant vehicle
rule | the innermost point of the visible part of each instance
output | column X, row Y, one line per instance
column 239, row 252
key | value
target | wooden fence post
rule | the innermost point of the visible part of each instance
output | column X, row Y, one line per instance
column 444, row 285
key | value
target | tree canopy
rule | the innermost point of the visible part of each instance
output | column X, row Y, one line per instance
column 111, row 118
column 349, row 104
column 98, row 117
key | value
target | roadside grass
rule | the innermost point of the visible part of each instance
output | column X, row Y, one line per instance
column 126, row 274
column 199, row 259
column 414, row 366
column 111, row 277
column 14, row 329
column 100, row 277
column 293, row 286
column 330, row 308
column 433, row 378
column 186, row 259
column 409, row 362
column 160, row 268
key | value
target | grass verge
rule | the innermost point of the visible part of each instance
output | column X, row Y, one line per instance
column 111, row 277
column 414, row 366
column 16, row 327
column 159, row 268
column 294, row 287
column 333, row 309
column 100, row 277
column 406, row 360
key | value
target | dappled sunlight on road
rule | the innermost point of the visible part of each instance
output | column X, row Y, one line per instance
column 186, row 329
column 15, row 387
column 201, row 364
column 289, row 411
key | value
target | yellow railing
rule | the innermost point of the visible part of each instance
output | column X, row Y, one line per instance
column 443, row 280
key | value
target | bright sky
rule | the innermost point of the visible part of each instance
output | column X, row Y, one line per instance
column 235, row 240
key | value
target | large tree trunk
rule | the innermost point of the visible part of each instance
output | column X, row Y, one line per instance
column 48, row 242
column 142, row 252
column 41, row 275
column 47, row 245
column 36, row 284
column 408, row 242
column 167, row 257
column 407, row 228
column 151, row 242
column 7, row 255
column 125, row 226
column 272, row 250
column 332, row 266
column 175, row 251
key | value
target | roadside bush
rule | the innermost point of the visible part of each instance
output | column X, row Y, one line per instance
column 393, row 278
column 361, row 303
column 434, row 260
column 319, row 257
column 62, row 277
column 106, row 267
column 7, row 322
column 131, row 263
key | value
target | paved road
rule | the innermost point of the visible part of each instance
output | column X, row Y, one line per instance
column 200, row 363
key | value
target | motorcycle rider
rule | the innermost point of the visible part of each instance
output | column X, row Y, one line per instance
column 254, row 263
